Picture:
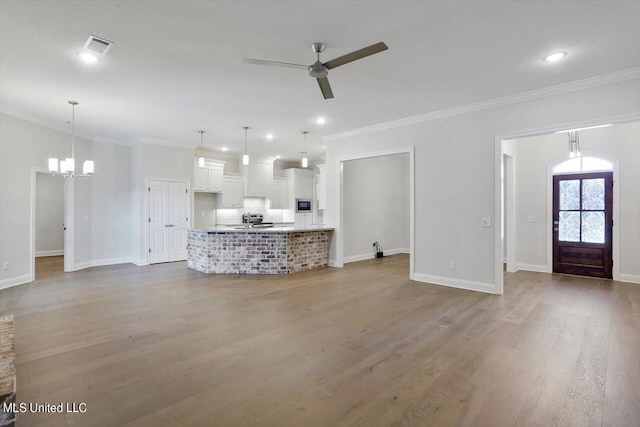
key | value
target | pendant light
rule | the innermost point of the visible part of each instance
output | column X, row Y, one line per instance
column 305, row 161
column 68, row 165
column 574, row 144
column 245, row 156
column 201, row 159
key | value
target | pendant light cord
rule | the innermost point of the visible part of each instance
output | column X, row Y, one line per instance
column 246, row 128
column 201, row 134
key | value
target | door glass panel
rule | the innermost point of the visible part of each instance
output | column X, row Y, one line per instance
column 570, row 195
column 593, row 194
column 569, row 227
column 593, row 227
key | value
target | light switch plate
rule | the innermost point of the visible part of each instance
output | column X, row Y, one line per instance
column 486, row 222
column 531, row 218
column 85, row 218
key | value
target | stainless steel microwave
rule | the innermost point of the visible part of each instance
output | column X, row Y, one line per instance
column 303, row 205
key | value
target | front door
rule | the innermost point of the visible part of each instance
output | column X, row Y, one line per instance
column 582, row 224
column 168, row 221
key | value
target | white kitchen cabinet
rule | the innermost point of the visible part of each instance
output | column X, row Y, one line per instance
column 258, row 178
column 304, row 184
column 208, row 178
column 232, row 192
column 279, row 194
column 300, row 183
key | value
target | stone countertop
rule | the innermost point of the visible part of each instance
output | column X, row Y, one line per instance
column 276, row 229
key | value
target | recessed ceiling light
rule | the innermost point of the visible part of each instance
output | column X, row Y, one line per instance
column 269, row 136
column 555, row 57
column 324, row 147
column 88, row 57
column 224, row 148
column 320, row 120
column 278, row 156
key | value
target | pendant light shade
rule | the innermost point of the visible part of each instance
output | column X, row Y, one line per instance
column 87, row 167
column 305, row 161
column 67, row 167
column 245, row 156
column 574, row 144
column 201, row 159
column 53, row 164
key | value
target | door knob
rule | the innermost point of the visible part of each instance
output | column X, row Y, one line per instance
column 555, row 222
column 169, row 225
column 555, row 229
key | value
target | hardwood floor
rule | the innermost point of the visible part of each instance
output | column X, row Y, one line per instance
column 363, row 345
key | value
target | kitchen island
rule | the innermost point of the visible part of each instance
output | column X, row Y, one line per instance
column 278, row 250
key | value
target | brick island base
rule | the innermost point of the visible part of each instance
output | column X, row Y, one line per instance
column 258, row 252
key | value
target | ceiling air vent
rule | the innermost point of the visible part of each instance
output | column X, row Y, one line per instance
column 97, row 45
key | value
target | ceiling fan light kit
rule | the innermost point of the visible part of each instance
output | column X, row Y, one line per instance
column 319, row 70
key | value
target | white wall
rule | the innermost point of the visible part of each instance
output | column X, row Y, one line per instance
column 158, row 161
column 535, row 154
column 49, row 215
column 204, row 214
column 102, row 217
column 455, row 173
column 376, row 205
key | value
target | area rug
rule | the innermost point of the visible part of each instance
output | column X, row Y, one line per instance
column 7, row 372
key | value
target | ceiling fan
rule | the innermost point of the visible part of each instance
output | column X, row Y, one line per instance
column 320, row 70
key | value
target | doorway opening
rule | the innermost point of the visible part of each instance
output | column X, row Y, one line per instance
column 376, row 206
column 593, row 230
column 51, row 227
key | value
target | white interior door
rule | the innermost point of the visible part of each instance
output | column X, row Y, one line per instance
column 178, row 220
column 158, row 221
column 168, row 221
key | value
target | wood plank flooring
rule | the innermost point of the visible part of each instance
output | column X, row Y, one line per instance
column 359, row 346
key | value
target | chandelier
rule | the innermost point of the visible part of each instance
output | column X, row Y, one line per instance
column 67, row 167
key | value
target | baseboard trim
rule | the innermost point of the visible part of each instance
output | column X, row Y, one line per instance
column 140, row 263
column 334, row 263
column 362, row 257
column 15, row 281
column 101, row 262
column 451, row 282
column 628, row 278
column 56, row 252
column 533, row 267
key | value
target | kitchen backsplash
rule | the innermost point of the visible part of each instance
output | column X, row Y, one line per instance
column 251, row 205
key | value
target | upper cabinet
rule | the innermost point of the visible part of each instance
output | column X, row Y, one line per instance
column 232, row 192
column 279, row 194
column 300, row 184
column 258, row 178
column 209, row 177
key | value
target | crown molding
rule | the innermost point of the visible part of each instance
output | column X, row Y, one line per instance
column 591, row 82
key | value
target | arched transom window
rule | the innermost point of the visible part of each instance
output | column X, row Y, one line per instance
column 583, row 164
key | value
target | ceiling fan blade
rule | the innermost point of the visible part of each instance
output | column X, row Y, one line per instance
column 275, row 63
column 325, row 87
column 355, row 55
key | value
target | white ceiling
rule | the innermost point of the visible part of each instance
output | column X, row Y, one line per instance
column 176, row 66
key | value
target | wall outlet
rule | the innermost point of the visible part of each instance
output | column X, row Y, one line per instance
column 531, row 218
column 85, row 218
column 5, row 265
column 201, row 213
column 486, row 222
column 452, row 265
